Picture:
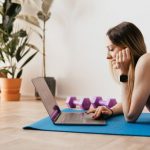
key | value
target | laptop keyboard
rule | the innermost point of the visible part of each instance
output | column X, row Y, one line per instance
column 78, row 119
column 71, row 117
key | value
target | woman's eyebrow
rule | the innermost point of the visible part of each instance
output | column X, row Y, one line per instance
column 109, row 47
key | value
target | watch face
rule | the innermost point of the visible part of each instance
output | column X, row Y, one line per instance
column 123, row 78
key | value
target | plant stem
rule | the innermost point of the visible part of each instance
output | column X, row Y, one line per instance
column 44, row 61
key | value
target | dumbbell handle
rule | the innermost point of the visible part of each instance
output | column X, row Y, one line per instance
column 77, row 102
column 109, row 103
column 103, row 103
column 98, row 101
column 84, row 103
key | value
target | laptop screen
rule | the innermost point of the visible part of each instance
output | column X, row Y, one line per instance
column 47, row 98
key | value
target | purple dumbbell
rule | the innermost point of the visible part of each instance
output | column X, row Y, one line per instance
column 98, row 101
column 83, row 103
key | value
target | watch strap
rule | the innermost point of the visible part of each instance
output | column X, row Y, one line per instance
column 123, row 78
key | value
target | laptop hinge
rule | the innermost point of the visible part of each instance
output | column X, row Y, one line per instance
column 56, row 113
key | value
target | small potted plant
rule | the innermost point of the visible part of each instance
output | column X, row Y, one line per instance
column 15, row 51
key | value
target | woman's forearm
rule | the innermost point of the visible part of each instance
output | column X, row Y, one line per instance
column 117, row 109
column 125, row 100
column 125, row 105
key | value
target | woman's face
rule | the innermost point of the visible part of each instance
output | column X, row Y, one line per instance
column 112, row 49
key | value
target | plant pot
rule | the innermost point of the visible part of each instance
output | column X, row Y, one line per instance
column 10, row 89
column 51, row 82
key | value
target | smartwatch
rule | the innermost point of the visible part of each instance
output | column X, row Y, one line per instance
column 123, row 78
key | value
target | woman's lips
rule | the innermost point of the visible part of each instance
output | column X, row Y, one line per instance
column 109, row 57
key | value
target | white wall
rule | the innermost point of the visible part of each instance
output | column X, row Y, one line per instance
column 76, row 50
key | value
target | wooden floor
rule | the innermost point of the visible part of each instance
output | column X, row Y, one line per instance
column 15, row 115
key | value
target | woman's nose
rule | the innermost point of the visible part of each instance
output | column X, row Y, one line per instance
column 109, row 56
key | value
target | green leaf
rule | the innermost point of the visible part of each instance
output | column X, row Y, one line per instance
column 13, row 10
column 38, row 33
column 29, row 19
column 29, row 2
column 19, row 74
column 18, row 54
column 29, row 59
column 12, row 46
column 42, row 16
column 32, row 46
column 5, row 71
column 1, row 10
column 16, row 1
column 21, row 49
column 9, row 72
column 22, row 33
column 46, row 6
column 26, row 52
column 1, row 56
column 2, row 31
column 47, row 16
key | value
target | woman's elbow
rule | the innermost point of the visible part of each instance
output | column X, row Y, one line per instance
column 131, row 118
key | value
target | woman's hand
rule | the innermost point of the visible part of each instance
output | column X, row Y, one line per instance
column 100, row 111
column 122, row 61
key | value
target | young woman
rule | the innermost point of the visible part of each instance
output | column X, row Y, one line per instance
column 130, row 61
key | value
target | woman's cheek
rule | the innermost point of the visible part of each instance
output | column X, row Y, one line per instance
column 114, row 55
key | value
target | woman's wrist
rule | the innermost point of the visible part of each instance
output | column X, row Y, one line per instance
column 112, row 113
column 123, row 78
column 125, row 72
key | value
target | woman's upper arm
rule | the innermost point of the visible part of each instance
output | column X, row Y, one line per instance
column 141, row 90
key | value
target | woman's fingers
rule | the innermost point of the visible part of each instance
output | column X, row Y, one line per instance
column 127, row 53
column 117, row 61
column 120, row 57
column 128, row 56
column 97, row 113
column 105, row 112
column 100, row 111
column 113, row 62
column 91, row 110
column 124, row 56
column 122, row 61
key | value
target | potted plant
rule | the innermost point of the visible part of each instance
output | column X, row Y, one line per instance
column 43, row 16
column 15, row 51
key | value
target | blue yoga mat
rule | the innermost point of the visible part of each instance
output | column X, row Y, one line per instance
column 115, row 125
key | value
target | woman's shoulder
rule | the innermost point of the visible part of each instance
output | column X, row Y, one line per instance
column 144, row 60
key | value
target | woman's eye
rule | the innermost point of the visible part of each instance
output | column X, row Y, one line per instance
column 111, row 49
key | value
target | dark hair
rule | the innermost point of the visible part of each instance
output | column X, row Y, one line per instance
column 126, row 34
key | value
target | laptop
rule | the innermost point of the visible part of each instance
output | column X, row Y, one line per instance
column 56, row 115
